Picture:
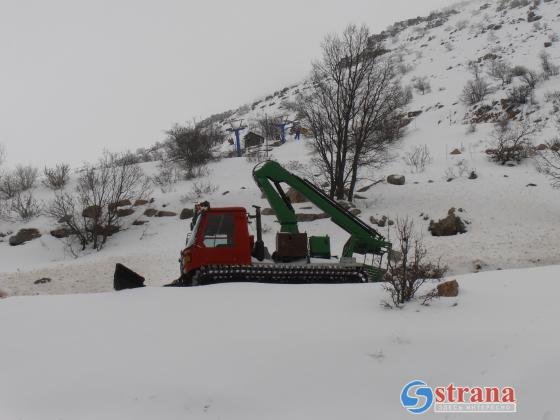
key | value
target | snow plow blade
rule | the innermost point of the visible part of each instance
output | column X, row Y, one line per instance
column 125, row 278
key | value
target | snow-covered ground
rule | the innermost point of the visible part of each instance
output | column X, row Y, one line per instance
column 244, row 351
column 250, row 351
column 512, row 225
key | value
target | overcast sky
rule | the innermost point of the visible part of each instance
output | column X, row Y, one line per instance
column 80, row 76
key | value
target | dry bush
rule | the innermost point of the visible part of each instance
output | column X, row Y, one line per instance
column 404, row 277
column 519, row 71
column 418, row 158
column 199, row 190
column 25, row 177
column 549, row 69
column 9, row 186
column 193, row 147
column 99, row 188
column 520, row 95
column 548, row 162
column 422, row 85
column 56, row 178
column 531, row 79
column 500, row 70
column 25, row 206
column 167, row 176
column 511, row 143
column 475, row 91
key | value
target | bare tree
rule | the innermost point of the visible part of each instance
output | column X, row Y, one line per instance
column 351, row 108
column 56, row 178
column 405, row 275
column 192, row 147
column 422, row 85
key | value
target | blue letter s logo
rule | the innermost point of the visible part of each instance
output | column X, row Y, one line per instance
column 417, row 397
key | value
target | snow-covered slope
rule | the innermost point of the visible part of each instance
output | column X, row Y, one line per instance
column 250, row 351
column 511, row 224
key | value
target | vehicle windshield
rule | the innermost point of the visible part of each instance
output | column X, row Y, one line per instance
column 193, row 233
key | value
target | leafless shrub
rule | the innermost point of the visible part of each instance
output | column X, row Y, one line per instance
column 199, row 190
column 500, row 70
column 422, row 85
column 56, row 178
column 25, row 177
column 167, row 176
column 418, row 158
column 25, row 206
column 193, row 147
column 405, row 277
column 549, row 69
column 520, row 95
column 511, row 144
column 548, row 161
column 531, row 79
column 9, row 186
column 475, row 91
column 91, row 213
column 518, row 71
column 202, row 188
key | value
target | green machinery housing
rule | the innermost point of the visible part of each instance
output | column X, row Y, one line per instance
column 364, row 240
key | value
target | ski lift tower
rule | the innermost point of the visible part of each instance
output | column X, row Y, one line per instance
column 282, row 123
column 237, row 127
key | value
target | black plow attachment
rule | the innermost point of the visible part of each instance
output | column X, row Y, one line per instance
column 125, row 278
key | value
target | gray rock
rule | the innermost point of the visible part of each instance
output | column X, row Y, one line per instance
column 396, row 179
column 163, row 213
column 61, row 233
column 448, row 289
column 448, row 226
column 24, row 235
column 150, row 212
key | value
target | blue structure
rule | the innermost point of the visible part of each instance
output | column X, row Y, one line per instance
column 237, row 132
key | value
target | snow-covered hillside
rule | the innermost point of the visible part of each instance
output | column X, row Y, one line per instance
column 512, row 211
column 251, row 351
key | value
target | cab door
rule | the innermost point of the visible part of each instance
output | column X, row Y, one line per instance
column 222, row 239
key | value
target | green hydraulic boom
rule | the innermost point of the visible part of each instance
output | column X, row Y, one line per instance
column 363, row 239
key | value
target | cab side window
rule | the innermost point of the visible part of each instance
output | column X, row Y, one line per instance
column 219, row 231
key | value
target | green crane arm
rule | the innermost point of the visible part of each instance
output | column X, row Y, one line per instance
column 363, row 238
